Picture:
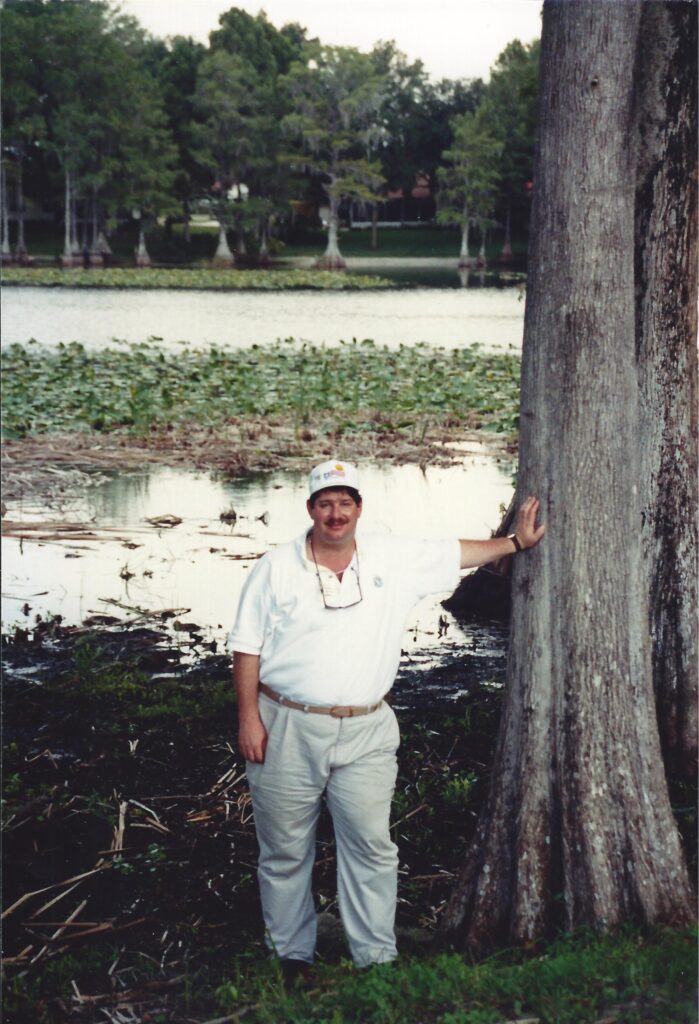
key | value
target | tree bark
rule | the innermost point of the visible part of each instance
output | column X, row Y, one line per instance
column 223, row 256
column 374, row 227
column 263, row 257
column 96, row 256
column 578, row 829
column 74, row 242
column 464, row 258
column 84, row 239
column 506, row 251
column 21, row 253
column 241, row 249
column 142, row 256
column 666, row 332
column 480, row 260
column 5, row 246
column 68, row 258
column 332, row 258
column 187, row 221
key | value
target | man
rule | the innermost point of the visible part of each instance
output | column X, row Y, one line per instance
column 316, row 644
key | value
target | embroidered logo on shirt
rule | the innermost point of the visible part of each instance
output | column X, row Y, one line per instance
column 378, row 582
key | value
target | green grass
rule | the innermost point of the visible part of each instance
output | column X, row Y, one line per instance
column 576, row 979
column 141, row 387
column 46, row 241
column 201, row 279
column 398, row 243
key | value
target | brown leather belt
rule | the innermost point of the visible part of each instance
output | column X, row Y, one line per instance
column 338, row 711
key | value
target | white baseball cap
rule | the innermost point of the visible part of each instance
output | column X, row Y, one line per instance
column 333, row 473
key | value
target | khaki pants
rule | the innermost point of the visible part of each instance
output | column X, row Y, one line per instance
column 352, row 761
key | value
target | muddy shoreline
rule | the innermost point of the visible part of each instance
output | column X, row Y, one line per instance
column 41, row 465
column 128, row 827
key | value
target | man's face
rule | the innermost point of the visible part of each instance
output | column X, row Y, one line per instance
column 334, row 516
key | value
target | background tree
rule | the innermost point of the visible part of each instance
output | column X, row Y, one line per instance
column 400, row 118
column 578, row 828
column 509, row 109
column 77, row 78
column 468, row 183
column 666, row 332
column 429, row 131
column 149, row 154
column 336, row 94
column 23, row 118
column 228, row 103
column 269, row 52
column 177, row 80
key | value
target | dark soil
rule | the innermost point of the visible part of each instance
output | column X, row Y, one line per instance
column 128, row 832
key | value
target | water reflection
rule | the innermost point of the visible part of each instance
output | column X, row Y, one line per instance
column 201, row 564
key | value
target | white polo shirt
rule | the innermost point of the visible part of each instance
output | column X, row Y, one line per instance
column 316, row 655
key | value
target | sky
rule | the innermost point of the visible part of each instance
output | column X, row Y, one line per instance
column 453, row 38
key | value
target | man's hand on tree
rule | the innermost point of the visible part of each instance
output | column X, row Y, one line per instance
column 528, row 533
column 252, row 740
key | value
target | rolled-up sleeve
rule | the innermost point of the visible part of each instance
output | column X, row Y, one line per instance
column 252, row 617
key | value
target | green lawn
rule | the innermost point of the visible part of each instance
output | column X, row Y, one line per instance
column 45, row 241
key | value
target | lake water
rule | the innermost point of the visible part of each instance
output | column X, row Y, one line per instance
column 447, row 317
column 126, row 567
column 198, row 567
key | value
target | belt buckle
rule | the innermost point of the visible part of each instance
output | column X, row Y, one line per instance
column 341, row 711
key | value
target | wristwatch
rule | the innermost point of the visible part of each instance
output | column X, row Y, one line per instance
column 516, row 541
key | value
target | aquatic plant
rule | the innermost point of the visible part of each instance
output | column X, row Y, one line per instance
column 364, row 386
column 208, row 279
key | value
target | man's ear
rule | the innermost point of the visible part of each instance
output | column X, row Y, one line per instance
column 308, row 506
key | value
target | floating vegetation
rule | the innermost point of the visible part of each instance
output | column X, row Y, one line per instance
column 366, row 387
column 204, row 280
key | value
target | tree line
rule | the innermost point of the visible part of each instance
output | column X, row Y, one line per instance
column 102, row 123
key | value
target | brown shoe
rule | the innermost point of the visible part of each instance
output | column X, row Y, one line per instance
column 296, row 973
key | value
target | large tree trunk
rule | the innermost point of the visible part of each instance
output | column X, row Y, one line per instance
column 666, row 333
column 332, row 258
column 578, row 828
